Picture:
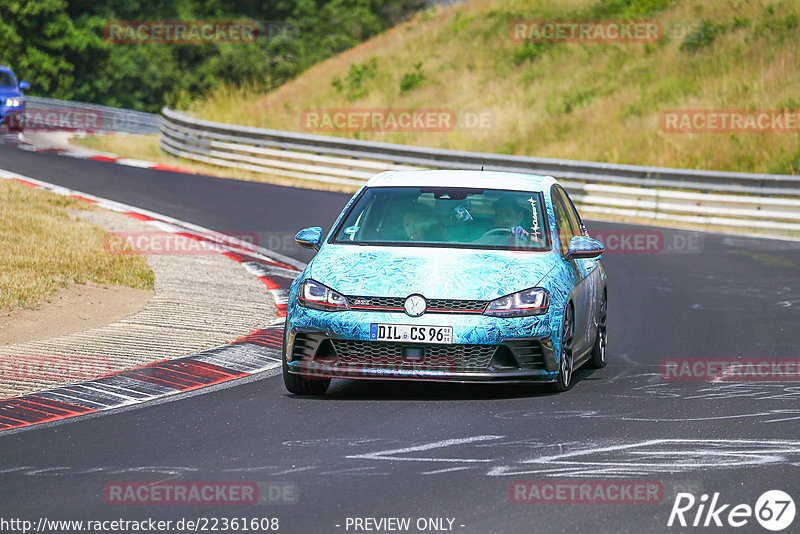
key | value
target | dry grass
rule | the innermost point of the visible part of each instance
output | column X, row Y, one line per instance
column 43, row 248
column 144, row 147
column 599, row 102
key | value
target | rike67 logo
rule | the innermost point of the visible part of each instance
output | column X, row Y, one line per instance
column 774, row 510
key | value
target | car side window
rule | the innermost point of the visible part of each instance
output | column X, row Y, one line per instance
column 572, row 213
column 562, row 222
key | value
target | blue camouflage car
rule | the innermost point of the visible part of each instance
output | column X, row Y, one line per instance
column 12, row 101
column 458, row 276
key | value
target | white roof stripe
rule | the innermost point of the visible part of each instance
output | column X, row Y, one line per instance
column 460, row 178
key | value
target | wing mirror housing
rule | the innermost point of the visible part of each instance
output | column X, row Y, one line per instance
column 309, row 237
column 584, row 247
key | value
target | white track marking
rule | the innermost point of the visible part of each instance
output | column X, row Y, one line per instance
column 391, row 454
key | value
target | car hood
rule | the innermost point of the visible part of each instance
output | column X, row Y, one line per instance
column 432, row 272
column 11, row 92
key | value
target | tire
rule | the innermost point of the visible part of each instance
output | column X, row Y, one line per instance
column 564, row 380
column 296, row 383
column 598, row 359
column 16, row 123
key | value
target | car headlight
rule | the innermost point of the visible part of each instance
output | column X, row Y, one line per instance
column 534, row 301
column 319, row 297
column 13, row 102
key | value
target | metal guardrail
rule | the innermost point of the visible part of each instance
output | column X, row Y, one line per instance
column 110, row 119
column 766, row 202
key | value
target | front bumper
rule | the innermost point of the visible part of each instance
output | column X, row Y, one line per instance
column 7, row 113
column 485, row 349
column 312, row 370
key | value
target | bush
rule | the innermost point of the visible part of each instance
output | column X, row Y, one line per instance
column 702, row 36
column 412, row 80
column 355, row 83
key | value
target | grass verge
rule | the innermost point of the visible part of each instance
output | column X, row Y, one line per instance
column 43, row 248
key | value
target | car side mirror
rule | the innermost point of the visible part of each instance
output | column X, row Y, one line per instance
column 584, row 247
column 24, row 85
column 309, row 237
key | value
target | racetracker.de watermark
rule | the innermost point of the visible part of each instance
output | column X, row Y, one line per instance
column 181, row 31
column 414, row 364
column 585, row 31
column 172, row 243
column 649, row 241
column 631, row 242
column 54, row 119
column 586, row 492
column 395, row 120
column 199, row 493
column 731, row 369
column 54, row 367
column 730, row 121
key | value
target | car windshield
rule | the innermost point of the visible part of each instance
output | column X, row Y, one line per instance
column 6, row 80
column 446, row 217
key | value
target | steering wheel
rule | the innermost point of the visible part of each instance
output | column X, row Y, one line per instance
column 496, row 231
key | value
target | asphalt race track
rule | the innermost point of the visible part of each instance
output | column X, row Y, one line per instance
column 424, row 450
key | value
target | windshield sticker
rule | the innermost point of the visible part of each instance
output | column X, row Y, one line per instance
column 462, row 213
column 535, row 220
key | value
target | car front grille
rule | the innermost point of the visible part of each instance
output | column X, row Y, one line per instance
column 456, row 306
column 434, row 305
column 380, row 355
column 510, row 354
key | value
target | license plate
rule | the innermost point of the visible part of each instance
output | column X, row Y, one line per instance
column 407, row 333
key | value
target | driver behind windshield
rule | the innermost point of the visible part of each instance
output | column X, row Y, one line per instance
column 508, row 214
column 419, row 223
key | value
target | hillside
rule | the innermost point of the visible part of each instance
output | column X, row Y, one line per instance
column 586, row 100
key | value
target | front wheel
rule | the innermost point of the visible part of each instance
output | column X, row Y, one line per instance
column 598, row 359
column 564, row 379
column 296, row 383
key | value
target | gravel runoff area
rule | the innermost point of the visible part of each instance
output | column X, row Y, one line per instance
column 201, row 301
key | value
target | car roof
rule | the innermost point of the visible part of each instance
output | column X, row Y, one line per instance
column 510, row 181
column 6, row 68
